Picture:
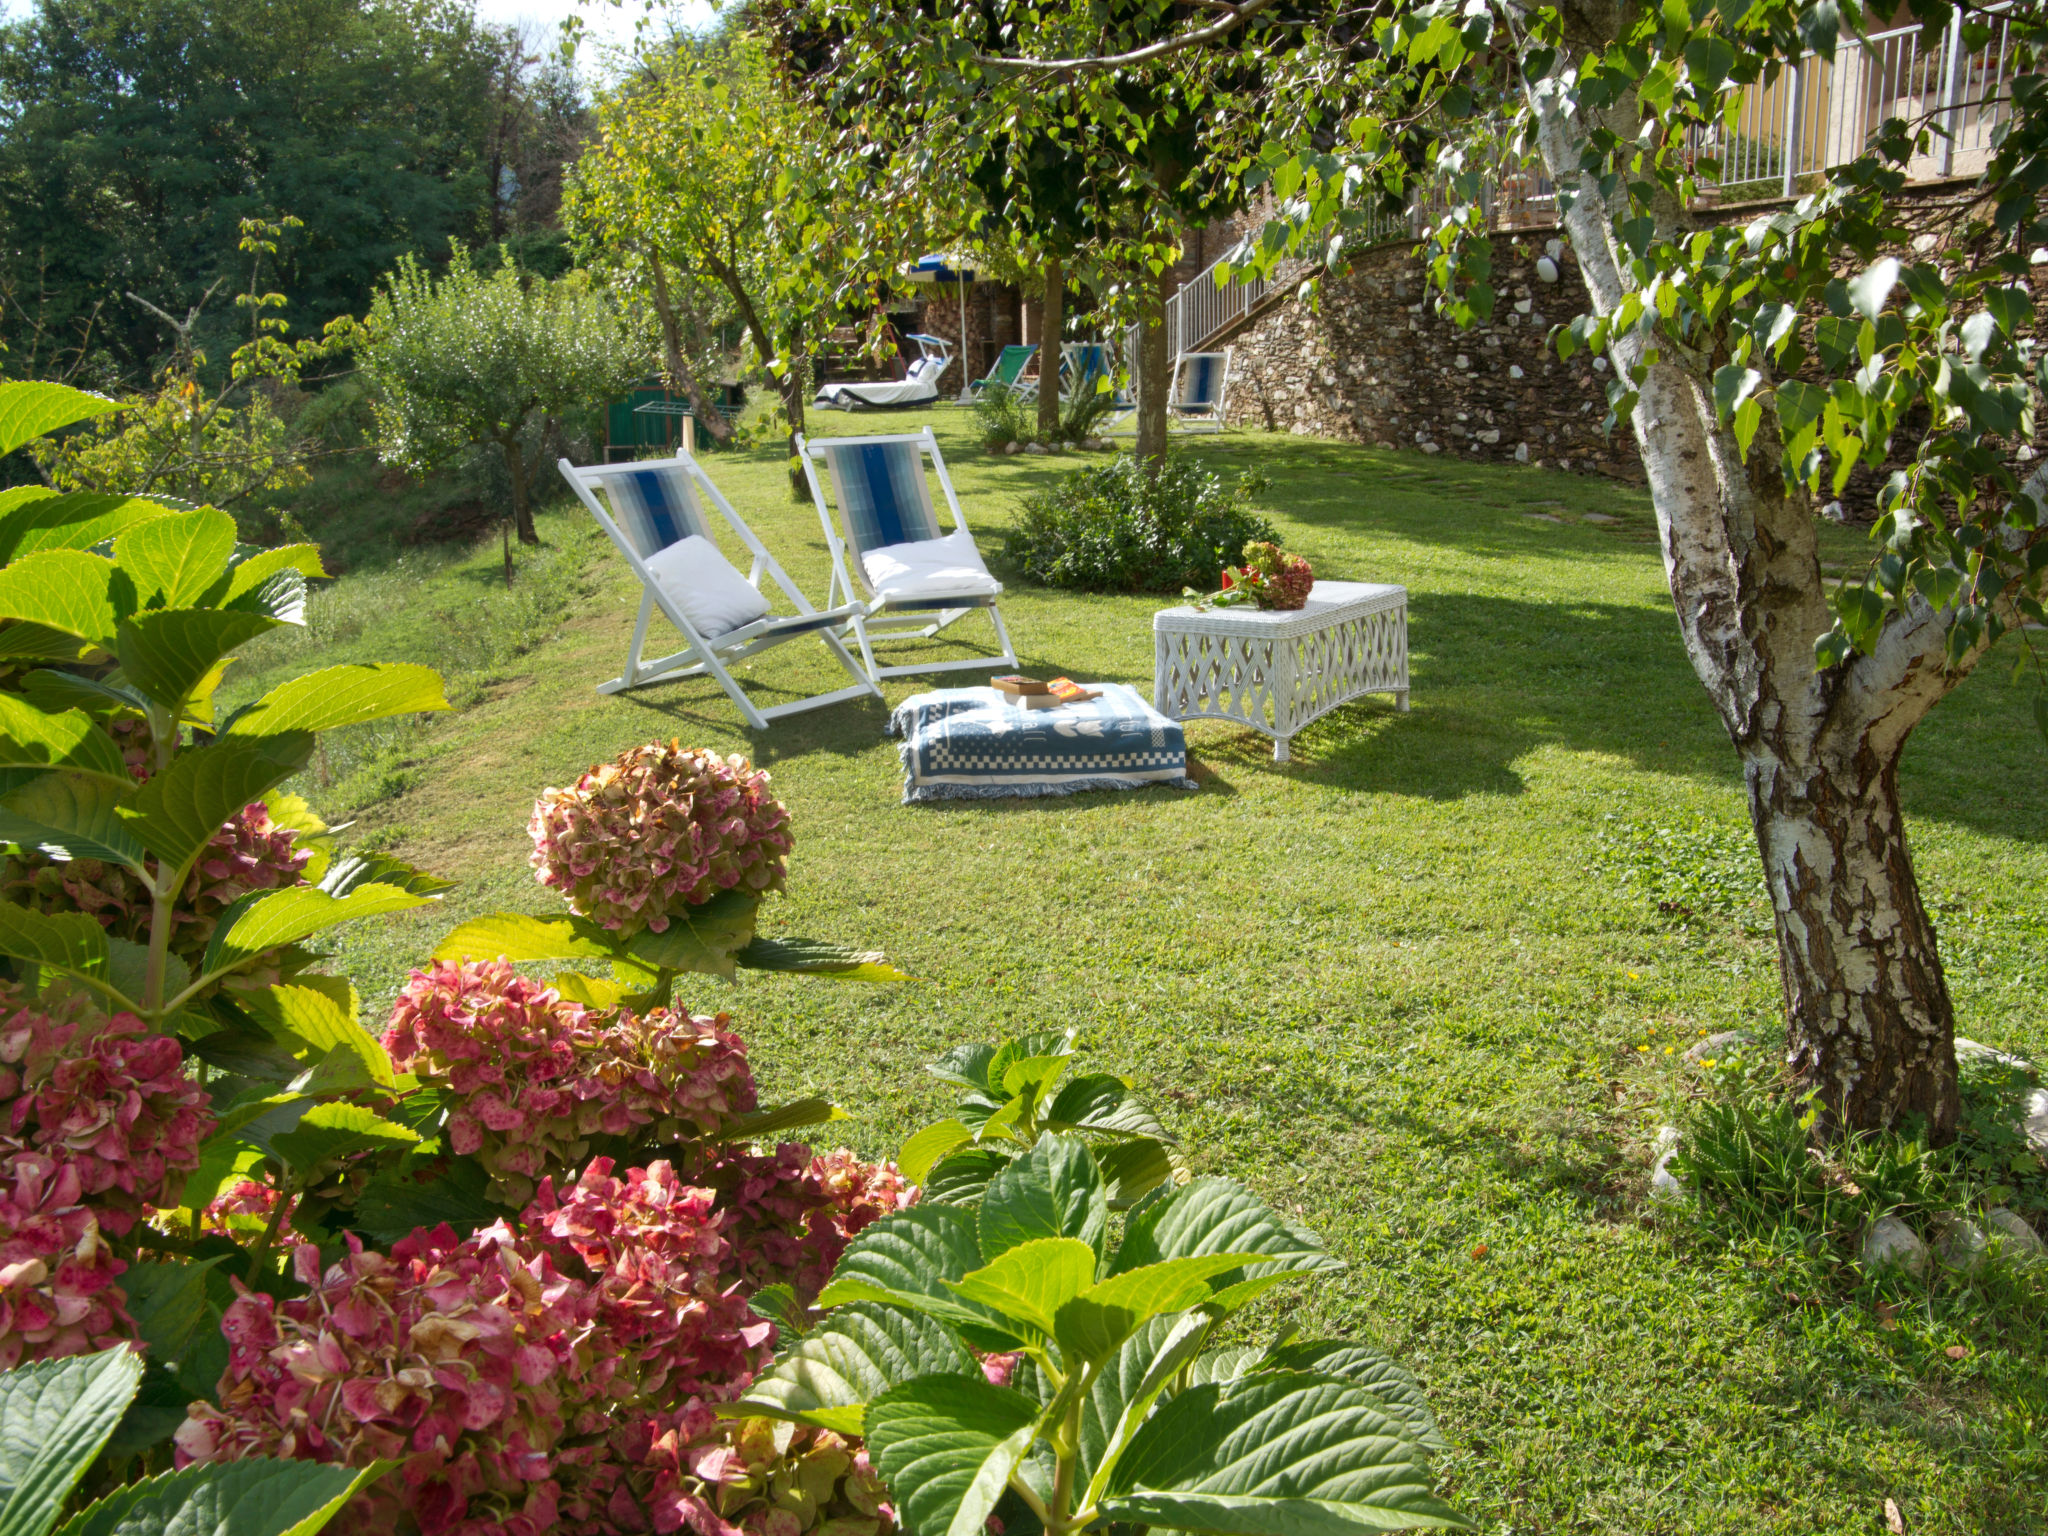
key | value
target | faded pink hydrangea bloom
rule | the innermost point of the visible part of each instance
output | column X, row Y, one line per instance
column 102, row 1094
column 253, row 1201
column 57, row 1273
column 790, row 1214
column 998, row 1368
column 655, row 830
column 452, row 1358
column 532, row 1076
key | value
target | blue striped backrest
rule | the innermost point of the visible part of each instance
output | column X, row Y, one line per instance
column 654, row 507
column 1204, row 378
column 882, row 494
column 1091, row 362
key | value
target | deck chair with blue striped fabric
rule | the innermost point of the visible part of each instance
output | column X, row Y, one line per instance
column 656, row 518
column 1201, row 386
column 1082, row 363
column 904, row 574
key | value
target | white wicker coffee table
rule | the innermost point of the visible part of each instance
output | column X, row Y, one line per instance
column 1276, row 671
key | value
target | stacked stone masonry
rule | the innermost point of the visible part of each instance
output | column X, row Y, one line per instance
column 1373, row 363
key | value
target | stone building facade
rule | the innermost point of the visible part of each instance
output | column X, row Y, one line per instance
column 1371, row 362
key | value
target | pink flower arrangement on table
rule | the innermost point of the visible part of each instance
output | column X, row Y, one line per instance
column 532, row 1076
column 657, row 829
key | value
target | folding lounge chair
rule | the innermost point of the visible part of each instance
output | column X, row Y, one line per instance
column 886, row 544
column 1082, row 364
column 1009, row 369
column 1201, row 385
column 657, row 521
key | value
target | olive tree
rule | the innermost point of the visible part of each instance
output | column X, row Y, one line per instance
column 484, row 358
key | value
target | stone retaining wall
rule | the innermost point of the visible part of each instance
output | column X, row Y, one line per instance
column 1373, row 364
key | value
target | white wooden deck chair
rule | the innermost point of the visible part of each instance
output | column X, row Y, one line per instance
column 656, row 518
column 889, row 556
column 1201, row 388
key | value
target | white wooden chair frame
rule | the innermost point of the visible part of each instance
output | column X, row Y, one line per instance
column 878, row 617
column 1178, row 417
column 712, row 657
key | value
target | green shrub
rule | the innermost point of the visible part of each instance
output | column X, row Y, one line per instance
column 1005, row 416
column 1113, row 528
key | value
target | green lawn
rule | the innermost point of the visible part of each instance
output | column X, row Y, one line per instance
column 1398, row 985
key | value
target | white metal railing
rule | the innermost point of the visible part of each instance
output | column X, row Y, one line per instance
column 1814, row 116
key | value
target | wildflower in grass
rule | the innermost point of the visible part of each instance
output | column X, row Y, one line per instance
column 658, row 829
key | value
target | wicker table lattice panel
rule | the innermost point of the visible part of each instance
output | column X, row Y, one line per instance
column 1276, row 671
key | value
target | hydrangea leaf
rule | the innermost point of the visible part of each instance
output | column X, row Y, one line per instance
column 55, row 1415
column 516, row 937
column 68, row 739
column 1121, row 1395
column 172, row 560
column 64, row 941
column 905, row 1259
column 400, row 1201
column 269, row 919
column 965, row 1065
column 1218, row 1215
column 817, row 957
column 345, row 874
column 1133, row 1169
column 1096, row 1321
column 1052, row 1190
column 1031, row 1281
column 32, row 409
column 1279, row 1454
column 928, row 1146
column 784, row 1117
column 179, row 811
column 257, row 1497
column 946, row 1446
column 309, row 1022
column 346, row 695
column 169, row 655
column 1400, row 1395
column 75, row 520
column 250, row 573
column 859, row 1352
column 63, row 589
column 168, row 1303
column 1105, row 1104
column 963, row 1178
column 327, row 1133
column 706, row 938
column 72, row 816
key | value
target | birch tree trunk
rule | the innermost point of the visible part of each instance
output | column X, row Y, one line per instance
column 1869, row 1020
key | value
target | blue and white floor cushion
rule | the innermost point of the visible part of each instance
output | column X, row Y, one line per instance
column 974, row 744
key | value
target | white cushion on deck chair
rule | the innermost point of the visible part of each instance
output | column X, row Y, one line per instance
column 947, row 567
column 694, row 574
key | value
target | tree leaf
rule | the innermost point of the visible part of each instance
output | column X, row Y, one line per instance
column 64, row 941
column 1033, row 1280
column 72, row 816
column 337, row 696
column 54, row 1417
column 257, row 1497
column 173, row 559
column 169, row 654
column 905, row 1260
column 1869, row 290
column 946, row 1446
column 309, row 1022
column 1052, row 1190
column 927, row 1146
column 70, row 739
column 704, row 938
column 1400, row 1395
column 62, row 589
column 179, row 811
column 515, row 936
column 1279, row 1454
column 30, row 410
column 326, row 1133
column 345, row 874
column 784, row 1117
column 859, row 1352
column 816, row 957
column 272, row 918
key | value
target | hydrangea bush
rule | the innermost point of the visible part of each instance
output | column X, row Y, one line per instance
column 659, row 828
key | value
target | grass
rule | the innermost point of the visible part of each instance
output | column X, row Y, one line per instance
column 1396, row 985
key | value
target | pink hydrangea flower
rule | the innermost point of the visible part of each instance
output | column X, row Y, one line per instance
column 790, row 1214
column 57, row 1272
column 533, row 1077
column 657, row 829
column 252, row 1200
column 105, row 1096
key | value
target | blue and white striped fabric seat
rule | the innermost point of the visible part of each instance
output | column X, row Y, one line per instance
column 1202, row 382
column 882, row 494
column 655, row 507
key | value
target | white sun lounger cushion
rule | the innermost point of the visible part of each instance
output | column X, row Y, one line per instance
column 694, row 574
column 947, row 567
